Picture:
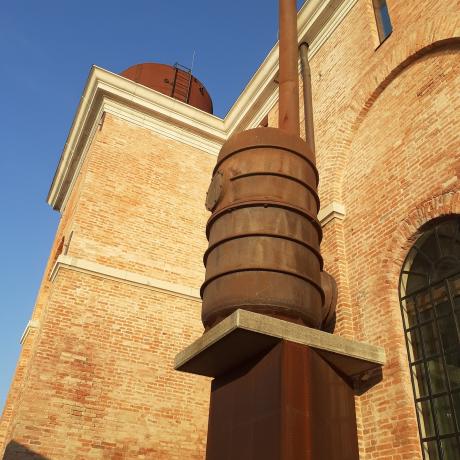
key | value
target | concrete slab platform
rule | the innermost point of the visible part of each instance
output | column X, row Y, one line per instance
column 244, row 335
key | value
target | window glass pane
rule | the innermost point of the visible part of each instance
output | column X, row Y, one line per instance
column 453, row 369
column 382, row 17
column 450, row 449
column 426, row 419
column 456, row 248
column 431, row 450
column 444, row 415
column 443, row 308
column 424, row 306
column 386, row 21
column 448, row 230
column 456, row 398
column 409, row 316
column 444, row 267
column 437, row 376
column 418, row 279
column 430, row 339
column 454, row 285
column 415, row 351
column 448, row 331
column 440, row 298
column 420, row 380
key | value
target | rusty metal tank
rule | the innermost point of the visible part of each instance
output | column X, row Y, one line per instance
column 263, row 233
column 175, row 81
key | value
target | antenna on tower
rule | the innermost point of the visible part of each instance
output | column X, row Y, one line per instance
column 193, row 61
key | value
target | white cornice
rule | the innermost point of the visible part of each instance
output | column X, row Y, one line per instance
column 208, row 144
column 30, row 325
column 112, row 93
column 103, row 271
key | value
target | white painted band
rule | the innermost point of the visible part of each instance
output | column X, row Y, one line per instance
column 93, row 268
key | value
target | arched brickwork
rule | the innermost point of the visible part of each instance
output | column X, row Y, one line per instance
column 410, row 45
column 392, row 185
column 408, row 231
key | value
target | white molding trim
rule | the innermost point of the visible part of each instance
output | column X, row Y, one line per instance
column 94, row 268
column 32, row 324
column 209, row 145
column 112, row 93
column 330, row 212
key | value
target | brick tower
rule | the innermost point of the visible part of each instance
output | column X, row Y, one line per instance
column 119, row 293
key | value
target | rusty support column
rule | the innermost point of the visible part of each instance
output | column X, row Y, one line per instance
column 289, row 404
column 288, row 73
column 307, row 96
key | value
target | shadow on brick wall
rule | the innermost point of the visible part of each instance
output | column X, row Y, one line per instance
column 16, row 451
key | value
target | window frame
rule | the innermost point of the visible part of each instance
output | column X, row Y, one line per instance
column 440, row 311
column 380, row 8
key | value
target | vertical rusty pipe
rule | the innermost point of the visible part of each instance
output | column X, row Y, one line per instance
column 288, row 75
column 307, row 96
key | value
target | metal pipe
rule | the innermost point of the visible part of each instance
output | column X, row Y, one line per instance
column 307, row 96
column 288, row 75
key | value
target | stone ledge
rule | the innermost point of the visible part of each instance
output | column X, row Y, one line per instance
column 244, row 335
column 330, row 212
column 103, row 271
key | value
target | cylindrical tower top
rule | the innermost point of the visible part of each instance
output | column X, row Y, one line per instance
column 175, row 81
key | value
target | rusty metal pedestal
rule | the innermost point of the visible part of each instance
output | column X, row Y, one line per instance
column 281, row 391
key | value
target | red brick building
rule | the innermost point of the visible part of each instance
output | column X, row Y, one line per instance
column 120, row 296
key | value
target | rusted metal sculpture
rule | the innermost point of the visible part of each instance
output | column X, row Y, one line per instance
column 263, row 234
column 287, row 402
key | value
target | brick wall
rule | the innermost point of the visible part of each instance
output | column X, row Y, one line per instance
column 388, row 146
column 20, row 378
column 104, row 361
column 104, row 352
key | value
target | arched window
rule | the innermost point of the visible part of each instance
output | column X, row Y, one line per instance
column 430, row 305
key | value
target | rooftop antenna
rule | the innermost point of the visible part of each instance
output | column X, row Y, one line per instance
column 193, row 61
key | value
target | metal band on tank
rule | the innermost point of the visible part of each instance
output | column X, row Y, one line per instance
column 269, row 235
column 265, row 203
column 263, row 269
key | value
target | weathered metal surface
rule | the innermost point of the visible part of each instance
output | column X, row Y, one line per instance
column 327, row 281
column 307, row 96
column 330, row 301
column 288, row 404
column 215, row 191
column 264, row 235
column 288, row 74
column 171, row 81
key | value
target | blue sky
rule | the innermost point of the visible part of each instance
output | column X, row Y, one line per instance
column 47, row 48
